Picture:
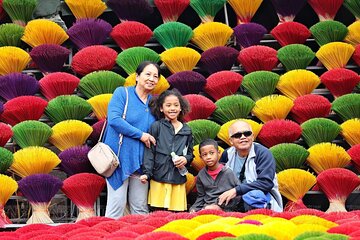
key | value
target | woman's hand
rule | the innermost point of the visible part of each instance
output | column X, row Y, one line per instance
column 180, row 162
column 147, row 139
column 143, row 179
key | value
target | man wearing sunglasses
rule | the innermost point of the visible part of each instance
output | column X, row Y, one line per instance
column 255, row 167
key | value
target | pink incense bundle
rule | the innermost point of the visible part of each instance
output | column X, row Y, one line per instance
column 131, row 34
column 290, row 33
column 93, row 58
column 58, row 83
column 201, row 107
column 354, row 153
column 337, row 184
column 83, row 190
column 5, row 133
column 326, row 9
column 170, row 10
column 257, row 58
column 222, row 84
column 340, row 81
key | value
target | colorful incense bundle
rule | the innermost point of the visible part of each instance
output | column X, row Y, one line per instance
column 173, row 34
column 260, row 83
column 287, row 10
column 232, row 107
column 356, row 57
column 310, row 106
column 49, row 57
column 335, row 54
column 327, row 155
column 340, row 81
column 66, row 107
column 99, row 104
column 211, row 34
column 218, row 59
column 272, row 107
column 10, row 34
column 170, row 10
column 97, row 127
column 23, row 108
column 318, row 130
column 347, row 106
column 87, row 32
column 224, row 129
column 83, row 190
column 197, row 163
column 353, row 6
column 207, row 9
column 279, row 131
column 245, row 9
column 31, row 133
column 179, row 59
column 289, row 155
column 353, row 37
column 350, row 131
column 337, row 184
column 20, row 11
column 130, row 58
column 93, row 58
column 1, row 107
column 86, row 8
column 131, row 34
column 161, row 86
column 203, row 129
column 131, row 10
column 17, row 84
column 100, row 82
column 290, row 33
column 257, row 58
column 249, row 34
column 200, row 107
column 222, row 84
column 43, row 31
column 190, row 183
column 325, row 9
column 74, row 160
column 187, row 82
column 2, row 11
column 294, row 184
column 39, row 189
column 69, row 133
column 295, row 56
column 5, row 133
column 7, row 188
column 296, row 83
column 13, row 59
column 6, row 159
column 59, row 83
column 34, row 160
column 354, row 153
column 328, row 31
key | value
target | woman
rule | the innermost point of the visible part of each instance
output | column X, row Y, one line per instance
column 124, row 185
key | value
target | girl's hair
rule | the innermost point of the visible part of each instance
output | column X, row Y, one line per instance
column 157, row 103
column 144, row 64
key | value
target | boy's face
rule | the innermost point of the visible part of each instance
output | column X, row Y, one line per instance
column 210, row 155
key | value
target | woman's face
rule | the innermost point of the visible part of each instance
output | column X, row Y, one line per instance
column 148, row 78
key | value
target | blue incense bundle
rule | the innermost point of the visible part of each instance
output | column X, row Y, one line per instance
column 17, row 84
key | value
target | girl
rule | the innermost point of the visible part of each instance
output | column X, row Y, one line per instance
column 167, row 185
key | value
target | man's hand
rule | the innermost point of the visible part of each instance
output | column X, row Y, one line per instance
column 227, row 196
column 143, row 179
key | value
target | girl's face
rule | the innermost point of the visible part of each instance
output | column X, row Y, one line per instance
column 148, row 78
column 171, row 107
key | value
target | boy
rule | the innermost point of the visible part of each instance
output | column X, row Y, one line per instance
column 212, row 180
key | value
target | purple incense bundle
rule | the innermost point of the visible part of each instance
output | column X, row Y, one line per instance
column 49, row 58
column 218, row 59
column 1, row 107
column 95, row 134
column 87, row 32
column 130, row 10
column 39, row 189
column 249, row 34
column 74, row 160
column 287, row 9
column 17, row 84
column 187, row 82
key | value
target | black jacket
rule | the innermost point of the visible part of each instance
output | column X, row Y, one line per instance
column 158, row 164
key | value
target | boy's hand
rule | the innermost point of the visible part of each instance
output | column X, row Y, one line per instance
column 180, row 162
column 227, row 196
column 143, row 179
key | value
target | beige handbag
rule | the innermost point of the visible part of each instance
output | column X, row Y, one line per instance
column 101, row 156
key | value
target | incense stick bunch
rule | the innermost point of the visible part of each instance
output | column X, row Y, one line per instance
column 6, row 159
column 287, row 10
column 7, row 188
column 354, row 153
column 223, row 133
column 335, row 54
column 74, row 160
column 245, row 9
column 318, row 130
column 187, row 82
column 170, row 10
column 353, row 7
column 337, row 184
column 290, row 33
column 87, row 32
column 5, row 133
column 83, row 190
column 179, row 59
column 218, row 59
column 10, row 34
column 200, row 107
column 326, row 10
column 203, row 129
column 13, row 59
column 86, row 8
column 328, row 31
column 295, row 56
column 97, row 128
column 20, row 11
column 258, row 58
column 17, row 84
column 39, row 189
column 173, row 34
column 259, row 84
column 289, row 155
column 249, row 34
column 131, row 10
column 161, row 86
column 31, row 133
column 347, row 106
column 59, row 83
column 207, row 10
column 350, row 131
column 353, row 36
column 99, row 104
column 223, row 83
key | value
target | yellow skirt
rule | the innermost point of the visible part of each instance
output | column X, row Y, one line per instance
column 166, row 195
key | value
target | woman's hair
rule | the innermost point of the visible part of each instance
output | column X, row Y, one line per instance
column 157, row 102
column 144, row 64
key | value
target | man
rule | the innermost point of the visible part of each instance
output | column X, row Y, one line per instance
column 254, row 165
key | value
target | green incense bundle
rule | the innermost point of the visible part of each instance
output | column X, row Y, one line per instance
column 31, row 133
column 295, row 56
column 173, row 34
column 328, row 31
column 317, row 130
column 260, row 83
column 203, row 129
column 289, row 155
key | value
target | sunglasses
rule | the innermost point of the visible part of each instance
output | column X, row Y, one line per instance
column 239, row 134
